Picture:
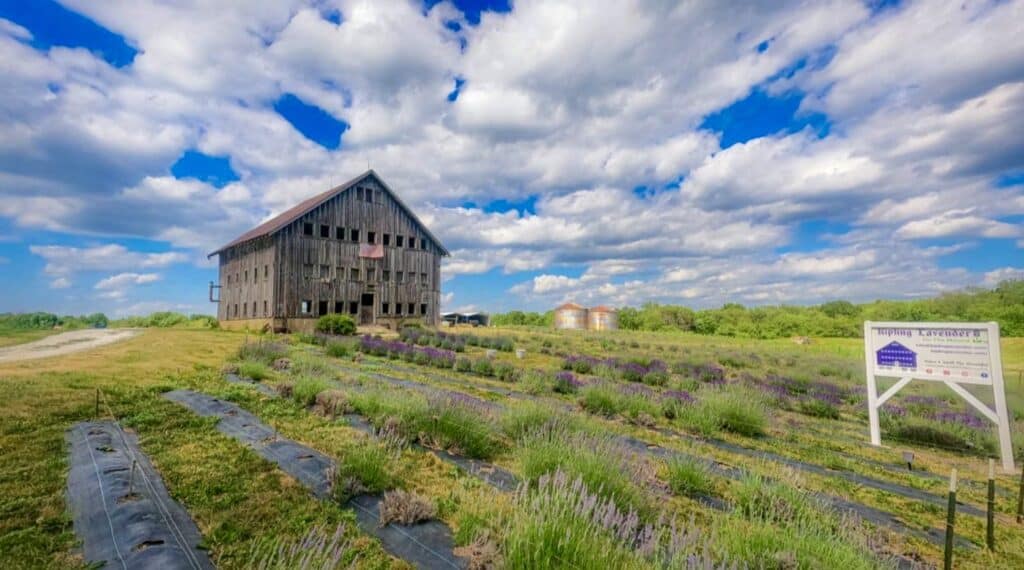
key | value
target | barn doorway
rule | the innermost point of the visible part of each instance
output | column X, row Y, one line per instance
column 366, row 306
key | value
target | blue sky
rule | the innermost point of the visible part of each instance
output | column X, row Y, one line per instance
column 604, row 151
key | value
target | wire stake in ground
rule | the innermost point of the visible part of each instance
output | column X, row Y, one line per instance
column 131, row 479
column 947, row 562
column 990, row 528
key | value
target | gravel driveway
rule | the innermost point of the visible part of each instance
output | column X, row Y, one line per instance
column 65, row 343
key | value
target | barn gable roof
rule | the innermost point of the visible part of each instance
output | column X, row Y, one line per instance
column 285, row 218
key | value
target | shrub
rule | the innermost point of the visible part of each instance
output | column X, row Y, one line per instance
column 368, row 467
column 689, row 476
column 818, row 408
column 316, row 549
column 601, row 398
column 255, row 370
column 536, row 382
column 337, row 349
column 261, row 351
column 404, row 507
column 464, row 365
column 741, row 412
column 506, row 372
column 461, row 424
column 336, row 324
column 518, row 421
column 483, row 367
column 566, row 383
column 306, row 388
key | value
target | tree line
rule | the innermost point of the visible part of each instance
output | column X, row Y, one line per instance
column 1003, row 304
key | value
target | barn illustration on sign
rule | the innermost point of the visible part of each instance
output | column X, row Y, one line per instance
column 895, row 354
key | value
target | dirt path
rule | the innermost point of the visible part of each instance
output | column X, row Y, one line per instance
column 65, row 343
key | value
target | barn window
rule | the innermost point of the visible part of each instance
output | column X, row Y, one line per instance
column 399, row 241
column 398, row 308
column 305, row 307
column 325, row 231
column 359, row 193
column 385, row 308
column 371, row 237
column 339, row 306
column 266, row 271
column 307, row 229
column 412, row 242
column 423, row 308
column 398, row 277
column 385, row 275
column 371, row 274
column 340, row 273
column 307, row 270
column 254, row 308
column 245, row 309
column 387, row 239
column 423, row 244
column 325, row 271
column 353, row 307
column 246, row 275
column 423, row 278
column 355, row 235
column 229, row 279
column 354, row 274
column 264, row 308
column 339, row 233
column 322, row 308
column 412, row 308
column 236, row 310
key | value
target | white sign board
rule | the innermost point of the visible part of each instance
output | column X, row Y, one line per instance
column 951, row 353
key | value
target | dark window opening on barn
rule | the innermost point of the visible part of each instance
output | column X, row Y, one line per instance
column 398, row 308
column 386, row 275
column 412, row 242
column 354, row 275
column 322, row 308
column 423, row 278
column 399, row 240
column 423, row 244
column 398, row 276
column 340, row 273
column 325, row 231
column 236, row 310
column 412, row 308
column 371, row 274
column 305, row 307
column 355, row 235
column 387, row 239
column 254, row 308
column 229, row 279
column 245, row 310
column 307, row 229
column 353, row 307
column 339, row 306
column 371, row 237
column 423, row 308
column 264, row 308
column 307, row 270
column 385, row 308
column 339, row 233
column 266, row 271
column 359, row 193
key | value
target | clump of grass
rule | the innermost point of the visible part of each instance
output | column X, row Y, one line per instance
column 253, row 369
column 943, row 435
column 818, row 408
column 461, row 424
column 331, row 403
column 311, row 365
column 535, row 382
column 602, row 463
column 525, row 418
column 689, row 476
column 600, row 398
column 262, row 351
column 370, row 466
column 404, row 507
column 483, row 367
column 306, row 388
column 316, row 549
column 506, row 372
column 738, row 411
column 337, row 349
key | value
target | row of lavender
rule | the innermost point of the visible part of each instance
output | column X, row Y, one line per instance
column 453, row 341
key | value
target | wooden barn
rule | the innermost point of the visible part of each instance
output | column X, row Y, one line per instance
column 356, row 249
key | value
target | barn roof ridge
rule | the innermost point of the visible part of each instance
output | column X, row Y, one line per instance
column 285, row 218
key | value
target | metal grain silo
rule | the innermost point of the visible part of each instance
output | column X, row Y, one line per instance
column 570, row 316
column 602, row 318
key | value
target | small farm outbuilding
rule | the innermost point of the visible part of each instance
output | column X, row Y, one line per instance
column 355, row 249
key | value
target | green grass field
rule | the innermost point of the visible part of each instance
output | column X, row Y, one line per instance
column 239, row 500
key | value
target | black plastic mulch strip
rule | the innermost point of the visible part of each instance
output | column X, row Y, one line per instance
column 888, row 487
column 424, row 545
column 125, row 517
column 874, row 515
column 261, row 387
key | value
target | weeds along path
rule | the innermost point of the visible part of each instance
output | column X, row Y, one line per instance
column 856, row 478
column 871, row 514
column 494, row 475
column 424, row 545
column 120, row 507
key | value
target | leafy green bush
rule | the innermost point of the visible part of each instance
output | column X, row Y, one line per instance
column 739, row 411
column 689, row 476
column 336, row 324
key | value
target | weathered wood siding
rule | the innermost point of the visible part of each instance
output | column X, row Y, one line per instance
column 247, row 280
column 320, row 269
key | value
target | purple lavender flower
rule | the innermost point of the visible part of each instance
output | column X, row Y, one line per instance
column 681, row 396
